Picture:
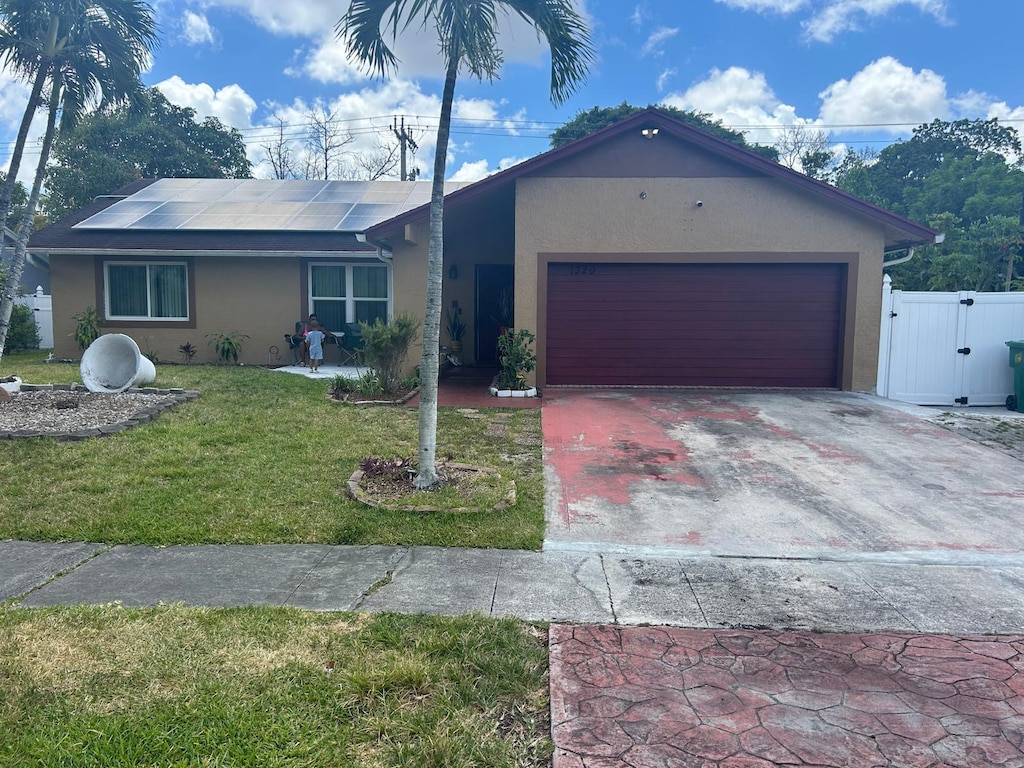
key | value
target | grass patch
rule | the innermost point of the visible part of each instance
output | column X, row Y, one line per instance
column 106, row 686
column 260, row 457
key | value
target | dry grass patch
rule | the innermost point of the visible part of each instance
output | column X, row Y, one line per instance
column 108, row 686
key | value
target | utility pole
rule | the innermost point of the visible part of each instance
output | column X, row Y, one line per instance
column 405, row 141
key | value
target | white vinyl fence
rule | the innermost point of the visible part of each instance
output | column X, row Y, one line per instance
column 948, row 348
column 42, row 307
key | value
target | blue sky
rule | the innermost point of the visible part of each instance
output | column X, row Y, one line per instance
column 866, row 71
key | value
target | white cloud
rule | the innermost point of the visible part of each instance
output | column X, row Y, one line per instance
column 844, row 15
column 480, row 169
column 231, row 104
column 885, row 92
column 367, row 113
column 829, row 18
column 664, row 77
column 765, row 6
column 196, row 29
column 739, row 98
column 417, row 50
column 654, row 46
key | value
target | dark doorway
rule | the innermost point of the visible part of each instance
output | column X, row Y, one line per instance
column 491, row 280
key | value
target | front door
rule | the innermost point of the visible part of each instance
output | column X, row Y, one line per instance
column 491, row 280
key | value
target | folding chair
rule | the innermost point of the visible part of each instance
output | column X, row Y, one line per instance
column 351, row 345
column 295, row 342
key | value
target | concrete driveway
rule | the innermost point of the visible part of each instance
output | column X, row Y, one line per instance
column 828, row 475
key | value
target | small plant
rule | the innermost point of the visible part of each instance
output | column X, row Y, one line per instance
column 151, row 353
column 386, row 346
column 368, row 385
column 394, row 469
column 340, row 385
column 227, row 345
column 188, row 352
column 88, row 328
column 516, row 358
column 454, row 325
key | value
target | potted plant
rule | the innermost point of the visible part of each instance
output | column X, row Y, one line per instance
column 456, row 329
column 516, row 358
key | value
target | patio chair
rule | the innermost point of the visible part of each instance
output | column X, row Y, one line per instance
column 294, row 340
column 351, row 345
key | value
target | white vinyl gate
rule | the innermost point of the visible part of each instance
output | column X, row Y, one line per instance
column 948, row 348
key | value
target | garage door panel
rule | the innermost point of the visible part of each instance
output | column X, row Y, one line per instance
column 694, row 325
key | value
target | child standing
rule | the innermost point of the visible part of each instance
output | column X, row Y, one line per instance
column 315, row 338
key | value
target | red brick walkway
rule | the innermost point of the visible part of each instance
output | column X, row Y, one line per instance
column 644, row 696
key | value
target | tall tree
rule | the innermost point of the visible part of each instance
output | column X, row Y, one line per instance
column 963, row 178
column 149, row 139
column 91, row 52
column 468, row 34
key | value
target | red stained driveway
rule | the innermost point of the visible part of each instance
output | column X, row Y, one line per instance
column 770, row 474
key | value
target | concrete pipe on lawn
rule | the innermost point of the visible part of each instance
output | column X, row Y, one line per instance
column 113, row 363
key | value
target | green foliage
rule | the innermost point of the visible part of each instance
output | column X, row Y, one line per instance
column 386, row 346
column 188, row 352
column 516, row 358
column 963, row 179
column 23, row 332
column 158, row 139
column 227, row 345
column 587, row 122
column 454, row 325
column 87, row 329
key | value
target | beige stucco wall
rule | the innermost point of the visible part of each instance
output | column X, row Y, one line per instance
column 259, row 297
column 606, row 219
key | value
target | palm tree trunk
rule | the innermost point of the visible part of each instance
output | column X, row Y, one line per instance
column 7, row 193
column 430, row 361
column 18, row 262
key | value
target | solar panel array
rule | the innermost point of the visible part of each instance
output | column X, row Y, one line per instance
column 264, row 204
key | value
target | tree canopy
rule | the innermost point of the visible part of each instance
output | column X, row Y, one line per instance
column 963, row 178
column 586, row 122
column 158, row 139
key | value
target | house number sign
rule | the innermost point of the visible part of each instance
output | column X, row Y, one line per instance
column 582, row 269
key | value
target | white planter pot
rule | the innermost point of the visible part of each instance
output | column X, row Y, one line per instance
column 11, row 386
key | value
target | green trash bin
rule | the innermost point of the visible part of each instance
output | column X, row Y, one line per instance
column 1015, row 402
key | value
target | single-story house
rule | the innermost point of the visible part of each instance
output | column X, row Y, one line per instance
column 647, row 253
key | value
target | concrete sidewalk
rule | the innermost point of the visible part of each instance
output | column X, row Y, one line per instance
column 985, row 595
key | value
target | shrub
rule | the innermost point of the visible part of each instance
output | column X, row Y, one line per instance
column 516, row 358
column 22, row 333
column 227, row 345
column 387, row 345
column 87, row 329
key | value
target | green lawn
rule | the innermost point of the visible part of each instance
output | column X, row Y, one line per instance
column 173, row 686
column 260, row 457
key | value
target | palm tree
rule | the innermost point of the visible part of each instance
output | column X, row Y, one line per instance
column 467, row 31
column 92, row 53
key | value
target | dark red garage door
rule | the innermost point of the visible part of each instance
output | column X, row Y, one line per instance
column 756, row 325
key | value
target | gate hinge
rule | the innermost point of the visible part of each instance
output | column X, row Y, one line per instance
column 964, row 351
column 961, row 401
column 968, row 302
column 894, row 314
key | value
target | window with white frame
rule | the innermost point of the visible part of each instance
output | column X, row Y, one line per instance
column 349, row 293
column 146, row 291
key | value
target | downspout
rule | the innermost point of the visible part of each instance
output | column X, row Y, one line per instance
column 939, row 239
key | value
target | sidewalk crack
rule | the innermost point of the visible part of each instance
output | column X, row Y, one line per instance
column 693, row 592
column 308, row 573
column 497, row 578
column 608, row 586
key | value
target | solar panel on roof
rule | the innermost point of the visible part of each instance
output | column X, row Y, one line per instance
column 261, row 204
